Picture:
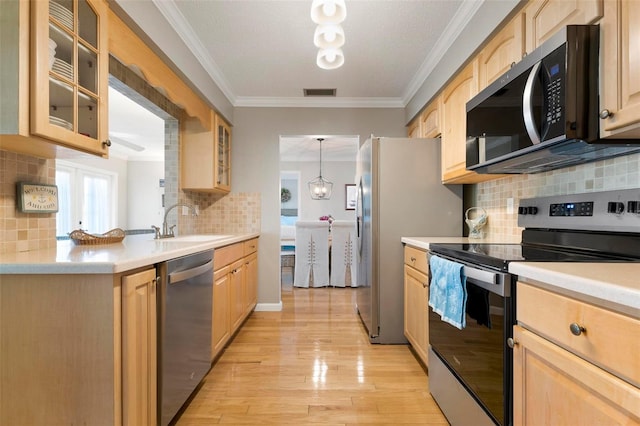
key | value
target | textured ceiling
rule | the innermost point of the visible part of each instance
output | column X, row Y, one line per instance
column 262, row 52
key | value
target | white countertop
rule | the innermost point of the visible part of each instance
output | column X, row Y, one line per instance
column 611, row 285
column 133, row 252
column 423, row 242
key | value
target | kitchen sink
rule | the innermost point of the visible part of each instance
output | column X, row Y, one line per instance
column 197, row 238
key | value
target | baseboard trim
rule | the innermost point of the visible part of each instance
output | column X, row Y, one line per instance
column 268, row 307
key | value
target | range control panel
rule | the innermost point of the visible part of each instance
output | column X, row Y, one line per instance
column 617, row 211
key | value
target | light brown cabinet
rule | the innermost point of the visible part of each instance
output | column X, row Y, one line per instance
column 454, row 124
column 504, row 49
column 416, row 301
column 78, row 348
column 235, row 290
column 430, row 126
column 413, row 129
column 620, row 84
column 55, row 87
column 206, row 155
column 139, row 349
column 543, row 18
column 568, row 366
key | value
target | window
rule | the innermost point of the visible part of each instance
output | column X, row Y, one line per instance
column 86, row 198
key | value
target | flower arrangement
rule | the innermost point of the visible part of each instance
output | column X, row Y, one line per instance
column 328, row 218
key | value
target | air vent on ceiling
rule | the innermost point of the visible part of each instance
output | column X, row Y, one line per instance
column 319, row 92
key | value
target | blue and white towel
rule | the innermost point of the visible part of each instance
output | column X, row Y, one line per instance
column 448, row 291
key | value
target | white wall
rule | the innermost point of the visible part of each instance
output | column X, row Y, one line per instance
column 338, row 172
column 256, row 164
column 144, row 202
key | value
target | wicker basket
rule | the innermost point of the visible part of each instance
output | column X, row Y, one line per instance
column 82, row 238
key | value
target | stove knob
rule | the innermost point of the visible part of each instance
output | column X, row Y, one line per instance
column 615, row 207
column 532, row 210
column 522, row 210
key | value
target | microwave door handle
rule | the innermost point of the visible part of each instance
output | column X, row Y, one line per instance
column 527, row 105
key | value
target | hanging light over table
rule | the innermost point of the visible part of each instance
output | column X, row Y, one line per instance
column 320, row 188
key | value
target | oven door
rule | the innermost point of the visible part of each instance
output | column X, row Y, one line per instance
column 478, row 355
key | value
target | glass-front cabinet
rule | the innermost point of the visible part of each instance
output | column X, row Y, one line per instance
column 223, row 155
column 69, row 72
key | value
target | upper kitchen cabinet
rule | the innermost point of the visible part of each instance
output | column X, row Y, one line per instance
column 206, row 156
column 430, row 119
column 55, row 72
column 413, row 129
column 454, row 127
column 501, row 52
column 620, row 85
column 543, row 18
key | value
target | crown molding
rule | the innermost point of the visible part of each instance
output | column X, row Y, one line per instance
column 280, row 102
column 461, row 19
column 177, row 21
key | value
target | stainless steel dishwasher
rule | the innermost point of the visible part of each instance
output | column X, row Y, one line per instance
column 184, row 330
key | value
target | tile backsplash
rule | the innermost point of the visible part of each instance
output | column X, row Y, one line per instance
column 616, row 173
column 24, row 231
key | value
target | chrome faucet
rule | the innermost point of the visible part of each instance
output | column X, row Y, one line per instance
column 167, row 231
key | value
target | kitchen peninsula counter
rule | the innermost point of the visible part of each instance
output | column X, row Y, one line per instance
column 133, row 252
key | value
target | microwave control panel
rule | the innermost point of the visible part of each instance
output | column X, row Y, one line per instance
column 553, row 87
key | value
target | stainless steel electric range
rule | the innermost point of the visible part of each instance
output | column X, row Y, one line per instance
column 470, row 369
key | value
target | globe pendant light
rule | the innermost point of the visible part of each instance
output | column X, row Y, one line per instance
column 328, row 11
column 328, row 36
column 330, row 59
column 320, row 188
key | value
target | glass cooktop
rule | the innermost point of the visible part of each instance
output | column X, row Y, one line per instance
column 499, row 255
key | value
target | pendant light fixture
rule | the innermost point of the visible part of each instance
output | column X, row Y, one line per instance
column 320, row 188
column 329, row 35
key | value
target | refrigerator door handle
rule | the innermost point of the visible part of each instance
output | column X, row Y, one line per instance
column 359, row 213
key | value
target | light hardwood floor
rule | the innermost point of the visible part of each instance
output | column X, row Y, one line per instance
column 312, row 364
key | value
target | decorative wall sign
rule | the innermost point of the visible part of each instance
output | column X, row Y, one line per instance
column 37, row 197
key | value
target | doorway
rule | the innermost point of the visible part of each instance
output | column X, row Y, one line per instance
column 299, row 164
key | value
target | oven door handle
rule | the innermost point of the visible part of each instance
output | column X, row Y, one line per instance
column 480, row 275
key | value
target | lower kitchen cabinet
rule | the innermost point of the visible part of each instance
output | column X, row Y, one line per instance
column 235, row 290
column 573, row 362
column 139, row 349
column 416, row 301
column 78, row 349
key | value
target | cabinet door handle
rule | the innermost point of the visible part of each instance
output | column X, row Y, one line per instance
column 425, row 284
column 106, row 143
column 511, row 342
column 576, row 329
column 605, row 113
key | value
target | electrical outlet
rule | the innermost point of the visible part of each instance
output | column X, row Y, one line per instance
column 197, row 209
column 185, row 211
column 509, row 205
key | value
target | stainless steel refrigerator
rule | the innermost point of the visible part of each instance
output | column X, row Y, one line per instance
column 400, row 194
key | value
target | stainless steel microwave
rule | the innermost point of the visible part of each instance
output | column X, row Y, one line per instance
column 542, row 114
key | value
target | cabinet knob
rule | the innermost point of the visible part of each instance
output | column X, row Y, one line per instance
column 413, row 259
column 576, row 329
column 106, row 143
column 511, row 342
column 605, row 113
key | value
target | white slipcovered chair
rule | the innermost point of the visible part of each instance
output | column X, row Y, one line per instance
column 343, row 256
column 312, row 254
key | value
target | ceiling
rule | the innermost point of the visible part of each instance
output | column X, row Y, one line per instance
column 261, row 53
